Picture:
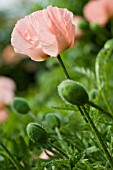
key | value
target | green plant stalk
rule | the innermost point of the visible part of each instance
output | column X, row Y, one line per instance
column 82, row 113
column 101, row 109
column 14, row 161
column 96, row 133
column 32, row 115
column 60, row 138
column 58, row 133
column 63, row 67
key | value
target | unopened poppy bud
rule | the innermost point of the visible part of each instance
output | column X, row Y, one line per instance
column 73, row 93
column 109, row 44
column 37, row 133
column 20, row 105
column 52, row 120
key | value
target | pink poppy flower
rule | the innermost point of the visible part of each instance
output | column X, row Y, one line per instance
column 44, row 33
column 7, row 83
column 95, row 11
column 76, row 21
column 109, row 6
column 1, row 105
column 7, row 89
column 9, row 56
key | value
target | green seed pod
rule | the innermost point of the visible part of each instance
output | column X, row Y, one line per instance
column 109, row 44
column 52, row 120
column 20, row 105
column 73, row 93
column 37, row 133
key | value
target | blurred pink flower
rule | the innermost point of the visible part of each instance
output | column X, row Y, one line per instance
column 96, row 11
column 7, row 83
column 44, row 155
column 1, row 105
column 44, row 33
column 109, row 6
column 9, row 56
column 76, row 21
column 3, row 115
column 7, row 89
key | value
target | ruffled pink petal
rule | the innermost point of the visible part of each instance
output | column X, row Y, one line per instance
column 63, row 27
column 53, row 24
column 47, row 38
column 68, row 20
column 44, row 33
column 25, row 40
column 95, row 12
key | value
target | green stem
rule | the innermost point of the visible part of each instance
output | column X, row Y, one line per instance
column 100, row 140
column 63, row 67
column 58, row 133
column 82, row 113
column 101, row 109
column 32, row 115
column 14, row 161
column 61, row 142
column 58, row 149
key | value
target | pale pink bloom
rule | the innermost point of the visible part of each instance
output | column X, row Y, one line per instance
column 7, row 83
column 7, row 89
column 43, row 155
column 9, row 56
column 95, row 11
column 44, row 33
column 109, row 6
column 1, row 105
column 3, row 115
column 76, row 21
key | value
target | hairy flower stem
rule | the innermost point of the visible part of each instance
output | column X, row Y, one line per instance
column 63, row 67
column 14, row 161
column 87, row 118
column 101, row 109
column 99, row 138
column 32, row 115
column 58, row 133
